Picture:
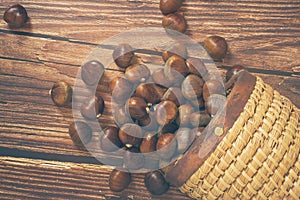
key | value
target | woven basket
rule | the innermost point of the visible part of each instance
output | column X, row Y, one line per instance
column 258, row 158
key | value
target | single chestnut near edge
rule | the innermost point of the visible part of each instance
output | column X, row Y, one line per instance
column 119, row 180
column 92, row 108
column 156, row 183
column 123, row 55
column 16, row 16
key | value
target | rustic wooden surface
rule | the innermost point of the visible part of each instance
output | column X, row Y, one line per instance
column 37, row 157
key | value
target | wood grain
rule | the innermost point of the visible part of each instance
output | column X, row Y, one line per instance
column 38, row 179
column 255, row 30
column 262, row 35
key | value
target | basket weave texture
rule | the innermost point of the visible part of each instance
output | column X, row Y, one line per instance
column 259, row 157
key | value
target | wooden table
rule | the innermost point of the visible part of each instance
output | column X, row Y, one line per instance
column 37, row 156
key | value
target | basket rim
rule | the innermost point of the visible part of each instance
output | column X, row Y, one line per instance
column 190, row 162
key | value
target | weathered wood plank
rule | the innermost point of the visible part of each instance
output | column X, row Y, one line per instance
column 261, row 34
column 38, row 179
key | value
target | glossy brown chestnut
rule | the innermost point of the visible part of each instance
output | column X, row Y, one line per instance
column 160, row 78
column 119, row 180
column 149, row 123
column 133, row 159
column 232, row 71
column 175, row 69
column 196, row 66
column 174, row 94
column 216, row 46
column 16, row 16
column 200, row 119
column 80, row 133
column 185, row 138
column 192, row 87
column 212, row 87
column 109, row 140
column 168, row 128
column 121, row 89
column 177, row 49
column 91, row 72
column 123, row 55
column 169, row 6
column 61, row 93
column 156, row 183
column 149, row 143
column 214, row 103
column 137, row 107
column 150, row 92
column 92, row 108
column 197, row 103
column 175, row 22
column 131, row 135
column 184, row 115
column 165, row 112
column 137, row 73
column 167, row 146
column 121, row 116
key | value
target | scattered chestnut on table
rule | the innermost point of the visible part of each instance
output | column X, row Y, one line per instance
column 216, row 46
column 80, row 133
column 109, row 139
column 16, row 16
column 137, row 73
column 169, row 6
column 123, row 55
column 137, row 107
column 131, row 135
column 61, row 93
column 91, row 72
column 156, row 183
column 92, row 108
column 119, row 180
column 175, row 22
column 165, row 112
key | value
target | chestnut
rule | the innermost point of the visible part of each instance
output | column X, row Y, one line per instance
column 92, row 108
column 200, row 119
column 80, row 132
column 123, row 55
column 166, row 144
column 109, row 140
column 197, row 103
column 16, row 16
column 174, row 94
column 91, row 72
column 175, row 22
column 177, row 49
column 121, row 116
column 192, row 87
column 165, row 112
column 184, row 115
column 150, row 92
column 216, row 46
column 212, row 87
column 149, row 123
column 61, row 93
column 156, row 183
column 233, row 70
column 168, row 128
column 185, row 138
column 160, row 78
column 169, row 6
column 137, row 108
column 214, row 103
column 149, row 143
column 133, row 159
column 175, row 69
column 119, row 180
column 196, row 66
column 121, row 89
column 131, row 135
column 137, row 73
